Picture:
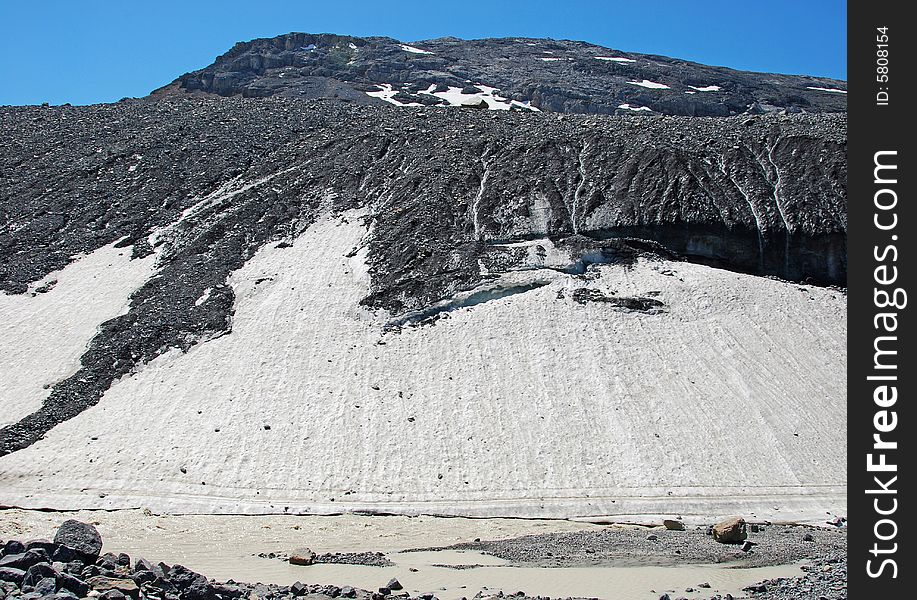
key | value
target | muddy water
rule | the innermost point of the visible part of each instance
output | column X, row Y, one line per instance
column 225, row 547
column 435, row 572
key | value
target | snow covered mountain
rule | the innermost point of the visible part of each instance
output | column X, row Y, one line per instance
column 283, row 305
column 505, row 73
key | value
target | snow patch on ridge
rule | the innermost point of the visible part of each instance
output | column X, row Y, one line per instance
column 619, row 59
column 413, row 50
column 387, row 93
column 824, row 89
column 455, row 97
column 650, row 84
column 635, row 108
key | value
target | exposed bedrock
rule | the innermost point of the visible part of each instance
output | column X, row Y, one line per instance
column 204, row 183
column 549, row 75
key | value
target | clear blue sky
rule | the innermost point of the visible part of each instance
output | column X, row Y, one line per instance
column 88, row 51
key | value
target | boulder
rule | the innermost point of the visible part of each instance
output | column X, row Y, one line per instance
column 12, row 575
column 182, row 577
column 673, row 525
column 71, row 583
column 394, row 585
column 479, row 103
column 102, row 584
column 37, row 572
column 730, row 531
column 12, row 547
column 46, row 586
column 302, row 557
column 25, row 560
column 82, row 537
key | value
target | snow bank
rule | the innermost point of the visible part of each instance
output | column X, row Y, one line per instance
column 43, row 335
column 650, row 84
column 619, row 59
column 731, row 400
column 413, row 50
column 455, row 97
column 823, row 89
column 637, row 108
column 387, row 93
column 707, row 88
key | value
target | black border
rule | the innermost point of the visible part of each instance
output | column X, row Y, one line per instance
column 873, row 128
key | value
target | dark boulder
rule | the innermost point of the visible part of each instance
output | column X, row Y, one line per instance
column 39, row 571
column 82, row 537
column 12, row 575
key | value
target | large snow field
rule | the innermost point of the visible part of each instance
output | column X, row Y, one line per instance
column 732, row 400
column 43, row 335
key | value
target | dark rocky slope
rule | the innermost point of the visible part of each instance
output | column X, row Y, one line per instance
column 553, row 75
column 765, row 194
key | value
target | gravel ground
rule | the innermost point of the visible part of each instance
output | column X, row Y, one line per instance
column 772, row 545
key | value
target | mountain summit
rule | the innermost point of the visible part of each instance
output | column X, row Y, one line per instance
column 500, row 73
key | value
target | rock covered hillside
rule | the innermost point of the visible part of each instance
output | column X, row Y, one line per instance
column 505, row 73
column 281, row 305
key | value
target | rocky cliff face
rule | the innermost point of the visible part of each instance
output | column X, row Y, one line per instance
column 452, row 199
column 513, row 73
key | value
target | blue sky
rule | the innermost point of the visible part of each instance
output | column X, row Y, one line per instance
column 88, row 51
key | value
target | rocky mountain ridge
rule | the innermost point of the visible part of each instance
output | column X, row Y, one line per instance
column 501, row 73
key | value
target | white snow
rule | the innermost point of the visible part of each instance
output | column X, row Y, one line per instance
column 619, row 59
column 708, row 88
column 823, row 89
column 43, row 335
column 204, row 297
column 387, row 93
column 413, row 50
column 637, row 108
column 731, row 401
column 455, row 97
column 550, row 58
column 650, row 84
column 352, row 46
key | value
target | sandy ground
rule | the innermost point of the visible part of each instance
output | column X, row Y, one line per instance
column 224, row 547
column 733, row 400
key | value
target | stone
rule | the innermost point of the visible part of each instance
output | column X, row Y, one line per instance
column 302, row 557
column 46, row 586
column 45, row 545
column 12, row 575
column 102, row 584
column 24, row 560
column 39, row 571
column 298, row 589
column 82, row 537
column 199, row 590
column 808, row 538
column 112, row 595
column 348, row 592
column 71, row 583
column 730, row 531
column 12, row 547
column 673, row 525
column 394, row 584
